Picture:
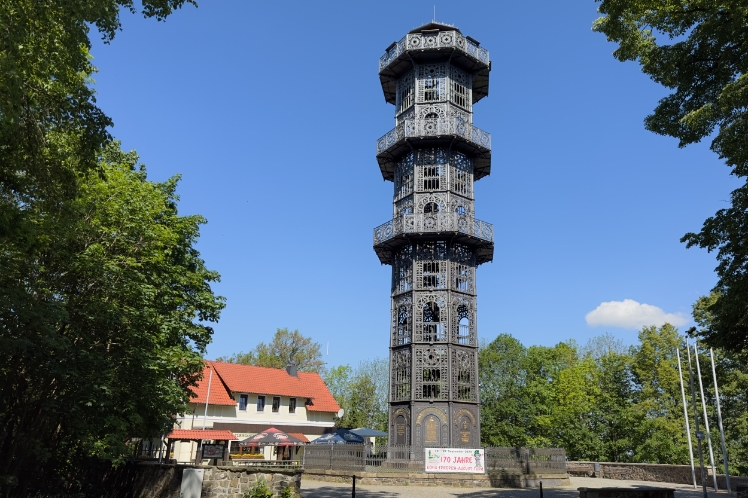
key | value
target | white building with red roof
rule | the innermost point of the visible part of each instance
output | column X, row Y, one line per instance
column 246, row 400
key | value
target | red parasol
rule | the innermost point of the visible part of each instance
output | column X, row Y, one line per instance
column 271, row 437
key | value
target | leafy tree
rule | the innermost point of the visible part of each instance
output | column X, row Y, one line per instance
column 362, row 393
column 659, row 437
column 543, row 366
column 617, row 419
column 504, row 409
column 703, row 60
column 102, row 326
column 338, row 381
column 285, row 349
column 51, row 130
column 576, row 419
column 732, row 376
column 603, row 345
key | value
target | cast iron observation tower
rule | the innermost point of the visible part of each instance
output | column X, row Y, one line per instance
column 433, row 76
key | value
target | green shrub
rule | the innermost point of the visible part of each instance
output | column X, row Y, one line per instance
column 287, row 493
column 259, row 489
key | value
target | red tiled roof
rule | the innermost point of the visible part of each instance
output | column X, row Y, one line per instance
column 299, row 435
column 276, row 381
column 198, row 434
column 219, row 395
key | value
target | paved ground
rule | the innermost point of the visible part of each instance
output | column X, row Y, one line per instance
column 317, row 489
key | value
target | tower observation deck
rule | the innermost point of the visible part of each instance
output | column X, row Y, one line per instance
column 434, row 243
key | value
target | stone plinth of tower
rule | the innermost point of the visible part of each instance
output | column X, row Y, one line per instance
column 434, row 243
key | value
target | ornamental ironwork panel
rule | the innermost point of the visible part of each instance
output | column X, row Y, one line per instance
column 431, row 223
column 464, row 383
column 430, row 313
column 445, row 39
column 427, row 170
column 402, row 270
column 462, row 323
column 401, row 381
column 420, row 128
column 431, row 373
column 402, row 320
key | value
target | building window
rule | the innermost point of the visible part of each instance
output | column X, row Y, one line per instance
column 431, row 383
column 292, row 405
column 402, row 335
column 276, row 404
column 260, row 403
column 243, row 401
column 432, row 90
column 431, row 275
column 463, row 278
column 433, row 330
column 460, row 95
column 405, row 93
column 431, row 176
column 460, row 86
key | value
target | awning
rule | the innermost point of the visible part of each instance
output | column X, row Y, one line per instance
column 198, row 435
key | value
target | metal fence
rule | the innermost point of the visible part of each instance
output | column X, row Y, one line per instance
column 525, row 460
column 392, row 458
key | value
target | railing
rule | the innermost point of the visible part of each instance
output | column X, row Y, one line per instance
column 433, row 222
column 526, row 460
column 359, row 457
column 398, row 458
column 442, row 39
column 434, row 127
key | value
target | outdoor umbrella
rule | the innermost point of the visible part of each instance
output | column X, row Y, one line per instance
column 340, row 436
column 271, row 437
column 367, row 432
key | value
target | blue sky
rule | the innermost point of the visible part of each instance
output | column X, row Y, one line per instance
column 270, row 112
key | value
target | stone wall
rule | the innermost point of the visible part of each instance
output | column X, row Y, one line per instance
column 233, row 482
column 680, row 474
column 164, row 481
column 498, row 480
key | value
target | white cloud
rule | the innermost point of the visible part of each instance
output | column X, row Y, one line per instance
column 629, row 314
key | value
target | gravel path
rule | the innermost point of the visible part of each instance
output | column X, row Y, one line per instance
column 318, row 489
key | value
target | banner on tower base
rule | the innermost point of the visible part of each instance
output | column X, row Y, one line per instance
column 460, row 460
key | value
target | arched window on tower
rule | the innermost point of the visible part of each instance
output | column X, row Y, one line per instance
column 431, row 207
column 463, row 325
column 433, row 329
column 402, row 335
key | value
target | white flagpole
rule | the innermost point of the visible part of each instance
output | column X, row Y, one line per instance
column 685, row 417
column 706, row 420
column 699, row 434
column 207, row 398
column 719, row 420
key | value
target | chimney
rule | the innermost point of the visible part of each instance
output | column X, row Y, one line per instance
column 291, row 369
